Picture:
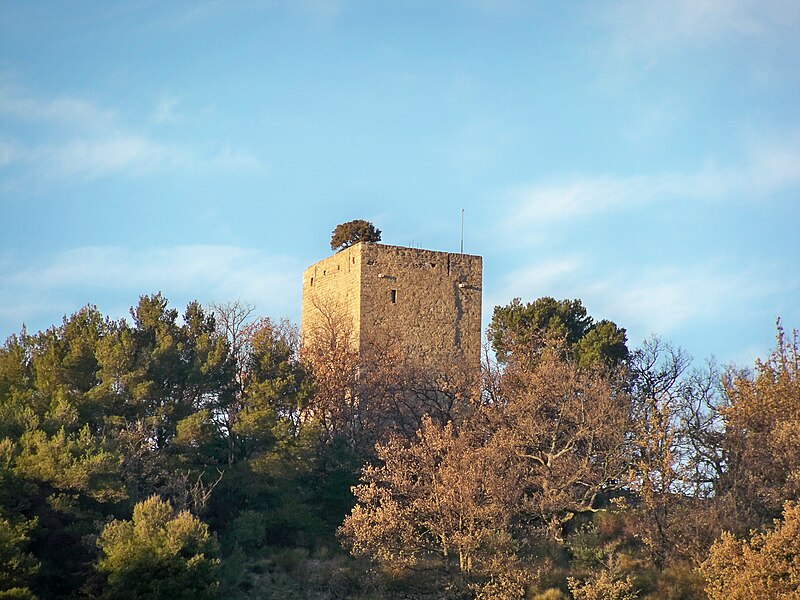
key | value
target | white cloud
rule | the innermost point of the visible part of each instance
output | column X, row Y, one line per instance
column 65, row 110
column 9, row 152
column 672, row 53
column 229, row 158
column 95, row 158
column 529, row 280
column 325, row 11
column 540, row 205
column 774, row 165
column 165, row 111
column 199, row 11
column 115, row 277
column 665, row 298
column 771, row 167
column 85, row 141
column 542, row 278
column 661, row 299
column 181, row 16
column 646, row 32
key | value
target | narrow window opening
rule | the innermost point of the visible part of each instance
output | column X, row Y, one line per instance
column 312, row 281
column 394, row 296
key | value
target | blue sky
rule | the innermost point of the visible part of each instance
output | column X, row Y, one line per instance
column 641, row 156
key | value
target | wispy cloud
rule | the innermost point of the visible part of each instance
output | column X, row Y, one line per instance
column 95, row 158
column 531, row 279
column 166, row 110
column 661, row 299
column 9, row 152
column 229, row 158
column 662, row 59
column 85, row 141
column 114, row 277
column 320, row 11
column 542, row 204
column 64, row 111
column 182, row 16
column 646, row 32
column 545, row 277
column 771, row 167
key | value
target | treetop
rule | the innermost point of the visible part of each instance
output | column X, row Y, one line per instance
column 352, row 232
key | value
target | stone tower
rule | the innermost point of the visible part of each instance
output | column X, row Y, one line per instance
column 427, row 302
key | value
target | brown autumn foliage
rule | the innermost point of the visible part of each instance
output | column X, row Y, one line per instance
column 762, row 435
column 762, row 446
column 346, row 402
column 366, row 390
column 330, row 354
column 470, row 499
column 567, row 430
column 474, row 497
column 444, row 502
column 765, row 566
column 603, row 585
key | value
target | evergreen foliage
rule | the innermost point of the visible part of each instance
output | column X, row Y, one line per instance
column 17, row 566
column 526, row 329
column 352, row 232
column 160, row 554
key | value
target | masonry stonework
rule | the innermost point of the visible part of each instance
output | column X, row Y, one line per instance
column 427, row 302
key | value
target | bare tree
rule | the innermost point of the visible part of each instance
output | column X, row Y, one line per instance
column 569, row 431
column 231, row 320
column 269, row 378
column 656, row 370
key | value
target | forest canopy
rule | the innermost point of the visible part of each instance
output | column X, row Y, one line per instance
column 204, row 453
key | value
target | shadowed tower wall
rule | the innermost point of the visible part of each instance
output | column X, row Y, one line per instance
column 427, row 303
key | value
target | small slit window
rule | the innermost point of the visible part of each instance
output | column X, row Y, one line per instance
column 393, row 296
column 312, row 281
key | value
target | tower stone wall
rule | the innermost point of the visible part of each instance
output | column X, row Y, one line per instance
column 428, row 303
column 332, row 297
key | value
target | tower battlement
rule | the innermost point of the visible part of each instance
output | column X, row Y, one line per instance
column 426, row 302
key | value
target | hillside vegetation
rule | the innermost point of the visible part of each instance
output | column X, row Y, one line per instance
column 206, row 455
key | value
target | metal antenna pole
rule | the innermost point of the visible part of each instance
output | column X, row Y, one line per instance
column 462, row 231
